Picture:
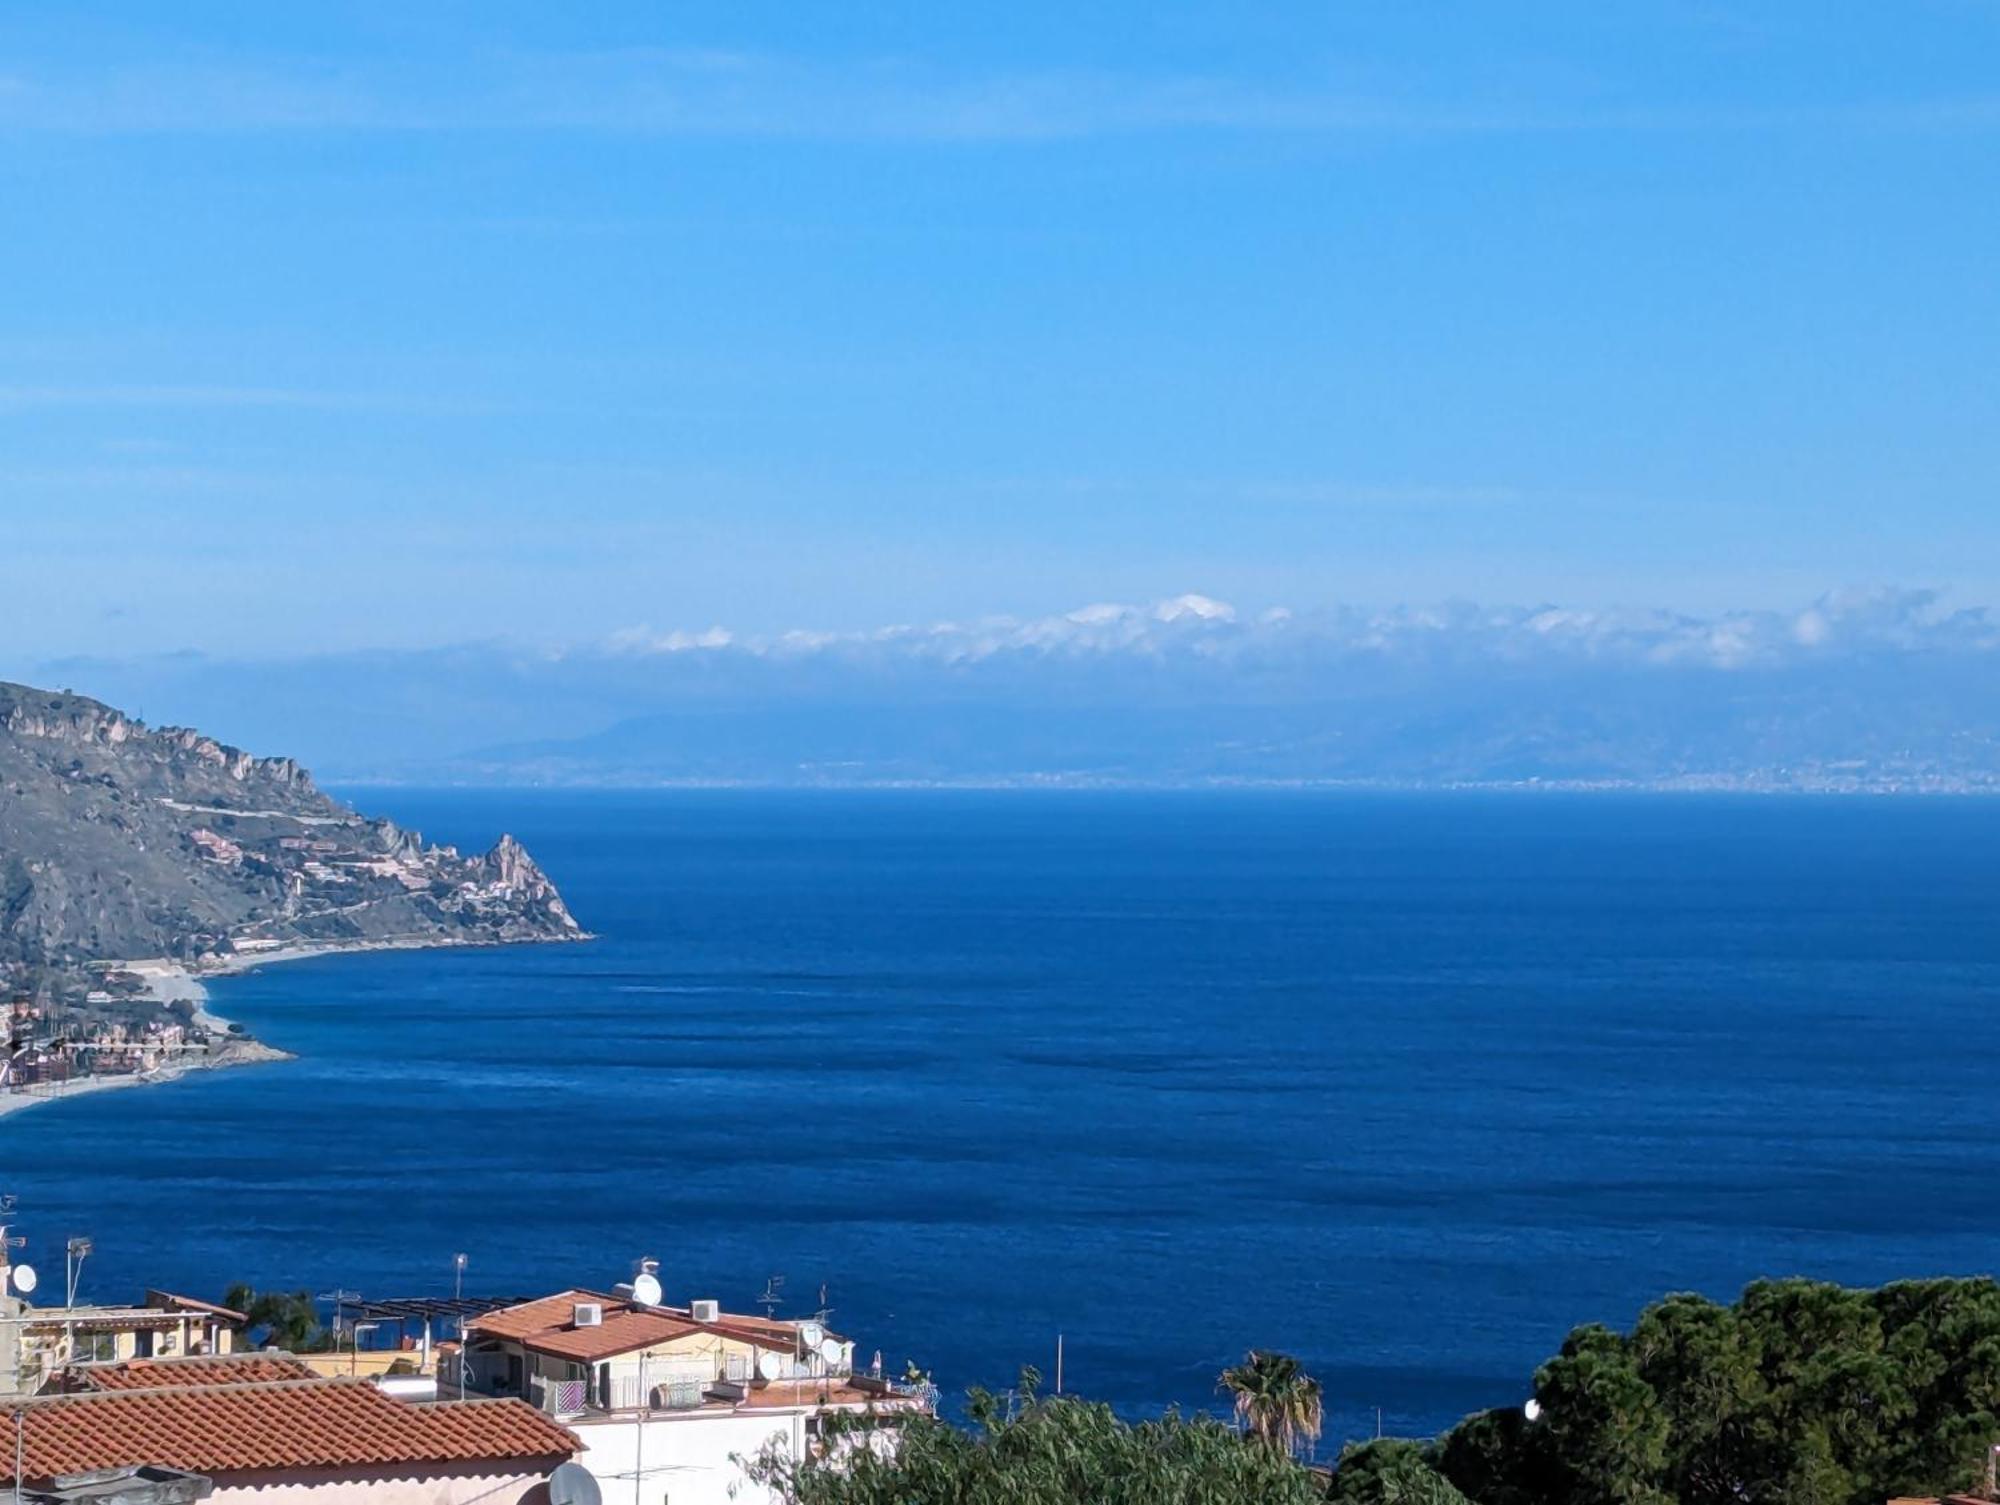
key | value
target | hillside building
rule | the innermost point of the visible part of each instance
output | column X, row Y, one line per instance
column 668, row 1402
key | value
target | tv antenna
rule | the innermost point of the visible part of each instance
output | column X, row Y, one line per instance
column 10, row 1240
column 773, row 1297
column 339, row 1296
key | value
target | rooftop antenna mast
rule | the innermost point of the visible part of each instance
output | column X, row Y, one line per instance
column 339, row 1296
column 18, row 1281
column 773, row 1297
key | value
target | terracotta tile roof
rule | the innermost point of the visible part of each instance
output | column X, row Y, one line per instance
column 620, row 1332
column 294, row 1424
column 531, row 1317
column 212, row 1369
column 548, row 1325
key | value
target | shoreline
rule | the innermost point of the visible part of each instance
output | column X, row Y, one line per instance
column 169, row 982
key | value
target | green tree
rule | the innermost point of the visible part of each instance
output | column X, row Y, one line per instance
column 1275, row 1399
column 1050, row 1451
column 1694, row 1355
column 279, row 1319
column 1499, row 1457
column 1605, row 1424
column 1801, row 1393
column 1391, row 1471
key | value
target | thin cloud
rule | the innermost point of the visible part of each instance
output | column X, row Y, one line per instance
column 170, row 395
column 1197, row 629
column 696, row 93
column 167, row 397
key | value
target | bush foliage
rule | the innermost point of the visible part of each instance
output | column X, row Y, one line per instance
column 1799, row 1393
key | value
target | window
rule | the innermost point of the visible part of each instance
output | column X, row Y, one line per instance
column 96, row 1348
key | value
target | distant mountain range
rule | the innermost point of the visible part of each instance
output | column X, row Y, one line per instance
column 120, row 841
column 1873, row 690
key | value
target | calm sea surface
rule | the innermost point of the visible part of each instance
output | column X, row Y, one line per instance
column 1405, row 1085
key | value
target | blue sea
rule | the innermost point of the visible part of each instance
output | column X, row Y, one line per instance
column 1405, row 1085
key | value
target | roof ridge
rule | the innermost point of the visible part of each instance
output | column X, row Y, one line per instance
column 240, row 1356
column 301, row 1382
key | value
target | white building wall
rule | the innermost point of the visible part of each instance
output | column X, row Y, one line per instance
column 684, row 1459
column 435, row 1484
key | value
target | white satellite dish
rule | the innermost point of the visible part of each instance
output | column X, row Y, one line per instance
column 1533, row 1409
column 770, row 1365
column 646, row 1289
column 23, row 1277
column 832, row 1350
column 811, row 1335
column 573, row 1484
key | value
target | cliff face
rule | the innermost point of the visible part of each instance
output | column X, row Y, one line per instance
column 120, row 841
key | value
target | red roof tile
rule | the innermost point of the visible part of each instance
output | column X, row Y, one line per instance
column 211, row 1369
column 548, row 1325
column 537, row 1316
column 295, row 1424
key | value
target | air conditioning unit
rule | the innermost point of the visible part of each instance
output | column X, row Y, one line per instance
column 705, row 1311
column 588, row 1314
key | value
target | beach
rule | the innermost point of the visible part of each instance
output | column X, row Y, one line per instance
column 169, row 982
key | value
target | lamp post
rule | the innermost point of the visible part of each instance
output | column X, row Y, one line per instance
column 458, row 1262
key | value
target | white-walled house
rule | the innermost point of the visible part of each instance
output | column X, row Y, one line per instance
column 667, row 1401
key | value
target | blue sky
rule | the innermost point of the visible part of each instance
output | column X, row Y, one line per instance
column 353, row 325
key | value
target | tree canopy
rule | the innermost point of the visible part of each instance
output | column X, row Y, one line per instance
column 279, row 1319
column 1050, row 1451
column 1799, row 1393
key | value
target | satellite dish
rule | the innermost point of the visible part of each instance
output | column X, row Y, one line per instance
column 646, row 1289
column 811, row 1335
column 770, row 1365
column 24, row 1278
column 1533, row 1409
column 832, row 1350
column 573, row 1484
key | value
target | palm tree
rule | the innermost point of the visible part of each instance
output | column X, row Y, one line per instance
column 1276, row 1400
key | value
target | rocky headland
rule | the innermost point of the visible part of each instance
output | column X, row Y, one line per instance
column 135, row 859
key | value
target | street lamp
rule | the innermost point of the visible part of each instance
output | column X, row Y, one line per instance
column 458, row 1317
column 75, row 1252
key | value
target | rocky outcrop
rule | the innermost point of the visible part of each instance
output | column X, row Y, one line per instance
column 120, row 841
column 517, row 878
